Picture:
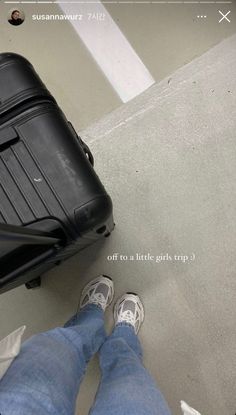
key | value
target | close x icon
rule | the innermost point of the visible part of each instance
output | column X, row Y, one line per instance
column 224, row 16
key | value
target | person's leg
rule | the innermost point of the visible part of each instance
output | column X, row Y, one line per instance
column 126, row 387
column 44, row 379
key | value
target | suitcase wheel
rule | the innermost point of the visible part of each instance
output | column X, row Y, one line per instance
column 35, row 283
column 101, row 230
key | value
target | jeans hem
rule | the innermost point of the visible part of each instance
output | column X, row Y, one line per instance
column 124, row 324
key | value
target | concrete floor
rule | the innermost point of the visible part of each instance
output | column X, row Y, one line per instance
column 167, row 159
column 171, row 155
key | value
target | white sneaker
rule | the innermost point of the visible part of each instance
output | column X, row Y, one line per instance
column 99, row 291
column 129, row 309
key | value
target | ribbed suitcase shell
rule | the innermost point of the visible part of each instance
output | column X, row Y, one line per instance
column 47, row 182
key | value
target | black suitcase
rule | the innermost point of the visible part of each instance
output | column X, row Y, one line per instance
column 52, row 203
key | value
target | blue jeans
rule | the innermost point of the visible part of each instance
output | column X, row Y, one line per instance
column 45, row 378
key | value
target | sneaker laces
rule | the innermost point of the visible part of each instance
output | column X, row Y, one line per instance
column 98, row 299
column 128, row 316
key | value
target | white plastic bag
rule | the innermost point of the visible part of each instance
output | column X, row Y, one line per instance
column 9, row 349
column 187, row 410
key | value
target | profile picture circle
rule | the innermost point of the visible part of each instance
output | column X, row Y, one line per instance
column 16, row 17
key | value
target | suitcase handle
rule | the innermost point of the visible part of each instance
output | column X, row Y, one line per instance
column 9, row 275
column 84, row 146
column 86, row 150
column 11, row 234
